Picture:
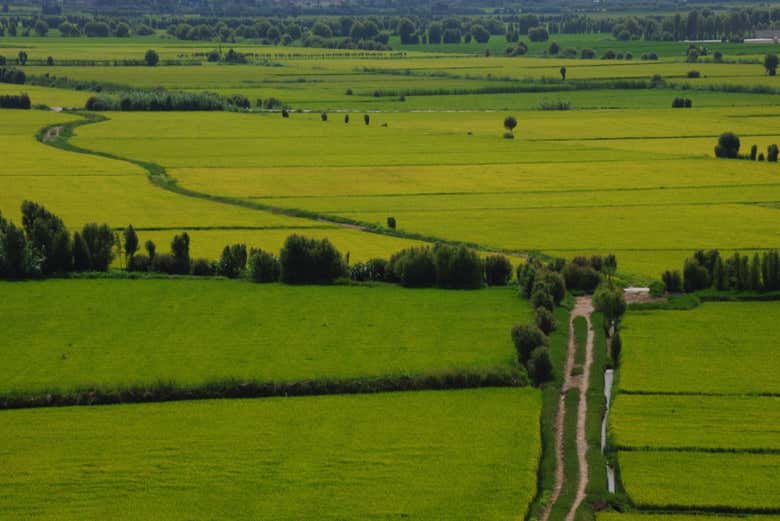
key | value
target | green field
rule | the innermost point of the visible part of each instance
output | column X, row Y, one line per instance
column 701, row 480
column 719, row 348
column 703, row 422
column 627, row 516
column 194, row 332
column 462, row 455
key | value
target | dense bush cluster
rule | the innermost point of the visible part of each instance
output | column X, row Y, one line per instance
column 729, row 144
column 682, row 103
column 10, row 75
column 11, row 101
column 708, row 269
column 162, row 100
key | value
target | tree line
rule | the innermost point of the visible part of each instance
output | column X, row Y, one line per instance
column 738, row 272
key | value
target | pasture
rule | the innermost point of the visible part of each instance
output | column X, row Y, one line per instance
column 461, row 455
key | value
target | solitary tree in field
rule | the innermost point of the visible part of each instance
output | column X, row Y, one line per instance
column 510, row 122
column 22, row 58
column 346, row 118
column 728, row 146
column 770, row 64
column 367, row 119
column 151, row 58
column 563, row 73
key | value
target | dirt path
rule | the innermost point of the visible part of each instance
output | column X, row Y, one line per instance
column 583, row 308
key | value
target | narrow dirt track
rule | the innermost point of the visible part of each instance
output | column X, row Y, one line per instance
column 583, row 308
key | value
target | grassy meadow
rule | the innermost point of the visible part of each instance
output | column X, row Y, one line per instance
column 195, row 332
column 457, row 455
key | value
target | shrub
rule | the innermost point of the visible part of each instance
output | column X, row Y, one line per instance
column 753, row 152
column 587, row 54
column 540, row 366
column 233, row 261
column 545, row 320
column 324, row 116
column 366, row 119
column 138, row 263
column 541, row 297
column 310, row 261
column 14, row 76
column 680, row 103
column 694, row 74
column 771, row 153
column 761, row 156
column 164, row 263
column 101, row 103
column 457, row 267
column 414, row 267
column 728, row 146
column 150, row 248
column 201, row 268
column 558, row 104
column 717, row 57
column 508, row 135
column 391, row 223
column 553, row 283
column 498, row 270
column 526, row 339
column 262, row 266
column 581, row 277
column 695, row 276
column 770, row 64
column 657, row 288
column 82, row 260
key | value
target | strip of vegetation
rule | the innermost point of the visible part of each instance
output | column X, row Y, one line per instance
column 740, row 275
column 11, row 101
column 170, row 391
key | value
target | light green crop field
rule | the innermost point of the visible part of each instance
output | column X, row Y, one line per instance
column 361, row 246
column 721, row 348
column 193, row 332
column 632, row 516
column 650, row 200
column 704, row 422
column 419, row 455
column 701, row 480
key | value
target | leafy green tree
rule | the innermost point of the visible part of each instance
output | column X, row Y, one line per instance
column 233, row 260
column 151, row 249
column 728, row 146
column 770, row 64
column 180, row 249
column 526, row 338
column 41, row 27
column 540, row 366
column 262, row 267
column 131, row 241
column 609, row 300
column 151, row 58
column 100, row 240
column 498, row 270
column 510, row 123
column 82, row 259
column 545, row 320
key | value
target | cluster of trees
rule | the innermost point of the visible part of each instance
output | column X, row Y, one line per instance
column 708, row 269
column 11, row 75
column 682, row 103
column 442, row 266
column 729, row 144
column 11, row 101
column 162, row 100
column 43, row 246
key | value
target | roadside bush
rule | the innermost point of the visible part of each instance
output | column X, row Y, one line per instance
column 540, row 366
column 545, row 320
column 498, row 270
column 262, row 266
column 202, row 268
column 310, row 261
column 233, row 261
column 457, row 267
column 526, row 339
column 728, row 146
column 138, row 263
column 610, row 301
column 581, row 277
column 414, row 267
column 541, row 298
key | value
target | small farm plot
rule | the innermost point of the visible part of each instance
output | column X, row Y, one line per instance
column 67, row 335
column 457, row 455
column 695, row 423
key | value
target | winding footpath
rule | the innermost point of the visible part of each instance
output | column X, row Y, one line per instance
column 583, row 308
